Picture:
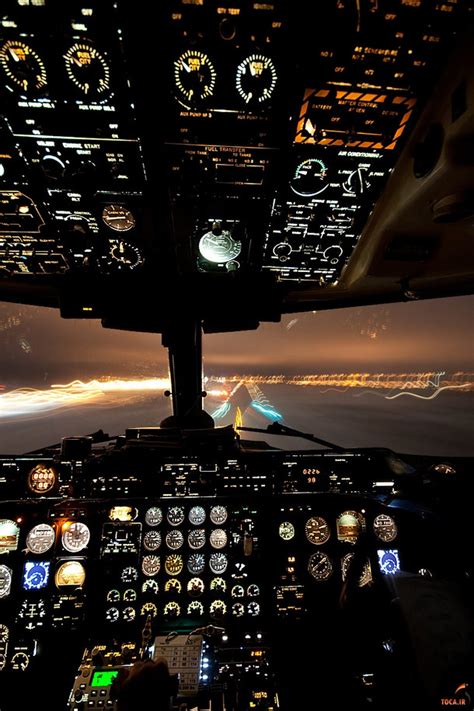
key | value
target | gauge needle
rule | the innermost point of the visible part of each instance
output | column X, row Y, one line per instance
column 249, row 96
column 185, row 66
column 73, row 60
column 14, row 55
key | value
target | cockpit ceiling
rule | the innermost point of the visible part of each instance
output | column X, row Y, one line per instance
column 233, row 163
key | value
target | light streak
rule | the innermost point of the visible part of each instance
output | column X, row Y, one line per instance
column 428, row 397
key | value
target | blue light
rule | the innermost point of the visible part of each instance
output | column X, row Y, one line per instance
column 205, row 677
column 266, row 410
column 221, row 411
column 205, row 666
column 36, row 574
column 389, row 561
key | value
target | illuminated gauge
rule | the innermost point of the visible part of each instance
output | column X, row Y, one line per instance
column 124, row 254
column 75, row 536
column 256, row 79
column 172, row 609
column 173, row 585
column 197, row 538
column 36, row 574
column 150, row 565
column 196, row 563
column 118, row 218
column 195, row 608
column 195, row 587
column 237, row 591
column 130, row 595
column 87, row 69
column 113, row 596
column 129, row 614
column 218, row 515
column 310, row 178
column 149, row 608
column 9, row 535
column 219, row 246
column 24, row 68
column 218, row 585
column 349, row 525
column 194, row 78
column 70, row 574
column 389, row 561
column 4, row 633
column 123, row 513
column 253, row 590
column 20, row 660
column 218, row 608
column 317, row 530
column 154, row 516
column 5, row 581
column 218, row 563
column 175, row 516
column 253, row 608
column 129, row 575
column 443, row 468
column 150, row 586
column 152, row 540
column 366, row 575
column 40, row 539
column 112, row 614
column 238, row 610
column 174, row 540
column 197, row 515
column 41, row 479
column 286, row 530
column 357, row 182
column 174, row 564
column 385, row 528
column 33, row 612
column 218, row 538
column 320, row 566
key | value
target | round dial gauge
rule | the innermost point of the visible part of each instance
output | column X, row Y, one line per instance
column 113, row 596
column 40, row 539
column 112, row 614
column 238, row 610
column 175, row 515
column 36, row 574
column 174, row 539
column 385, row 528
column 173, row 585
column 75, row 536
column 197, row 538
column 317, row 530
column 310, row 178
column 389, row 561
column 70, row 574
column 218, row 608
column 118, row 218
column 195, row 587
column 237, row 591
column 5, row 581
column 320, row 566
column 195, row 608
column 349, row 525
column 154, row 516
column 4, row 633
column 150, row 586
column 152, row 540
column 174, row 564
column 256, row 79
column 197, row 515
column 218, row 515
column 150, row 565
column 129, row 614
column 130, row 595
column 129, row 575
column 25, row 70
column 253, row 608
column 218, row 538
column 87, row 69
column 149, row 608
column 443, row 468
column 196, row 563
column 218, row 585
column 253, row 590
column 20, row 660
column 366, row 575
column 124, row 254
column 219, row 246
column 41, row 479
column 218, row 563
column 286, row 531
column 172, row 609
column 194, row 77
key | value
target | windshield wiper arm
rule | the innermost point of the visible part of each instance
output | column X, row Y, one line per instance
column 276, row 428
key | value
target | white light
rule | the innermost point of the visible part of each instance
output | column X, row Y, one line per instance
column 205, row 677
column 225, row 638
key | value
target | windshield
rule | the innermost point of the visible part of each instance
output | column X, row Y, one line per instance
column 397, row 376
